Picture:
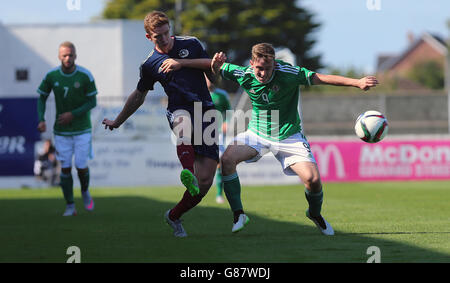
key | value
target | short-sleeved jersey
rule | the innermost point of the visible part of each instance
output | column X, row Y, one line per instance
column 71, row 91
column 184, row 86
column 221, row 101
column 275, row 114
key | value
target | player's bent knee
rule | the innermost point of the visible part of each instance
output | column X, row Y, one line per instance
column 313, row 183
column 228, row 163
column 204, row 187
column 204, row 183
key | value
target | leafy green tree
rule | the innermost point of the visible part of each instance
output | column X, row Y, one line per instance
column 429, row 74
column 233, row 26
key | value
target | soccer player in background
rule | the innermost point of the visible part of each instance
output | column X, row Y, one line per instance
column 184, row 84
column 273, row 88
column 221, row 101
column 75, row 95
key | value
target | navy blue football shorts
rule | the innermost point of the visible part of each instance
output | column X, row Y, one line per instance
column 204, row 132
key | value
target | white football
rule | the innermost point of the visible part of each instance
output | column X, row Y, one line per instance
column 371, row 126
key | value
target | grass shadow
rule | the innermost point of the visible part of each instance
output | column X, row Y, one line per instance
column 132, row 229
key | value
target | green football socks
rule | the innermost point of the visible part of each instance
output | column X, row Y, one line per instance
column 67, row 187
column 232, row 188
column 219, row 182
column 84, row 180
column 315, row 202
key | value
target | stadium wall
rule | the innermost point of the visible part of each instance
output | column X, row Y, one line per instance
column 410, row 113
column 335, row 114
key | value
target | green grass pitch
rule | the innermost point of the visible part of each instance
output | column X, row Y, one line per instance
column 407, row 221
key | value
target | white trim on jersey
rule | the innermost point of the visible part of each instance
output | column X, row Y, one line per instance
column 238, row 73
column 188, row 37
column 308, row 76
column 43, row 93
column 92, row 93
column 287, row 69
column 53, row 69
column 222, row 68
column 185, row 37
column 86, row 72
column 250, row 71
column 68, row 75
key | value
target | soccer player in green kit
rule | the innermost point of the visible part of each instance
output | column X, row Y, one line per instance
column 75, row 95
column 221, row 101
column 273, row 88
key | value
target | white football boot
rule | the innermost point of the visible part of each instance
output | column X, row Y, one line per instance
column 70, row 210
column 321, row 224
column 178, row 230
column 239, row 225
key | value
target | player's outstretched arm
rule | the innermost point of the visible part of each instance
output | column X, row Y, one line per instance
column 134, row 101
column 170, row 65
column 364, row 83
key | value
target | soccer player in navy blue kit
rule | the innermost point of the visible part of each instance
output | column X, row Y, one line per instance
column 185, row 85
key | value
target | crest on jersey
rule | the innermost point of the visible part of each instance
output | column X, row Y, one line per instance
column 275, row 88
column 56, row 83
column 76, row 85
column 183, row 53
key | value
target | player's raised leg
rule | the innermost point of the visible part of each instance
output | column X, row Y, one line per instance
column 309, row 174
column 205, row 168
column 234, row 154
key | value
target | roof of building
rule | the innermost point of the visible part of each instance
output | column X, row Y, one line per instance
column 388, row 61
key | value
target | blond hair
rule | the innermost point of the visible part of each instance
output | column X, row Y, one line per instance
column 68, row 44
column 154, row 20
column 263, row 50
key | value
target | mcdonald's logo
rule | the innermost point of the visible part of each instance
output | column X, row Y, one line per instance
column 323, row 157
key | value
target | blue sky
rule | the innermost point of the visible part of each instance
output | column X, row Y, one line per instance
column 48, row 11
column 352, row 34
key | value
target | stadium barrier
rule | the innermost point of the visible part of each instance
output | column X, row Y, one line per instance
column 340, row 159
column 395, row 158
column 142, row 153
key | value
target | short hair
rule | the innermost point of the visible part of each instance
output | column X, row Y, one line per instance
column 154, row 20
column 68, row 44
column 263, row 50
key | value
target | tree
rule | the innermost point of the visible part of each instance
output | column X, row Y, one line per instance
column 234, row 26
column 429, row 74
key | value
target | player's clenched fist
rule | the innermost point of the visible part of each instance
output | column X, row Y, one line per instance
column 109, row 124
column 367, row 82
